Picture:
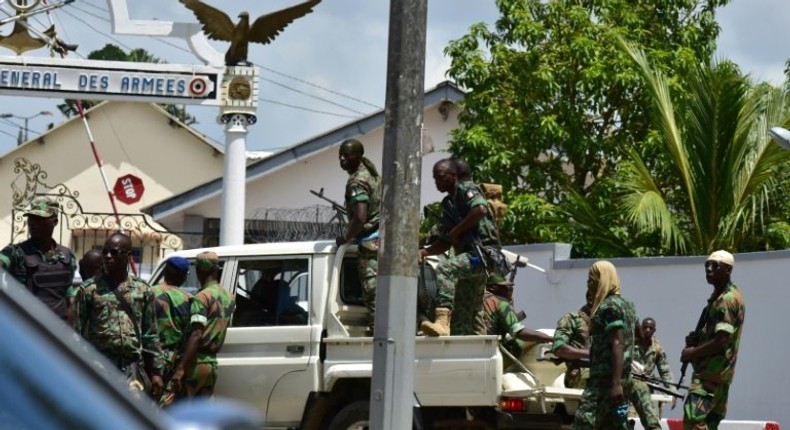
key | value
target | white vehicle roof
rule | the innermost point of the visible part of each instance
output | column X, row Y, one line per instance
column 277, row 248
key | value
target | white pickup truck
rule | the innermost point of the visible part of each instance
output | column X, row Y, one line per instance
column 297, row 350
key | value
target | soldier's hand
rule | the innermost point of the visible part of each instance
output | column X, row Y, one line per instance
column 691, row 339
column 617, row 396
column 157, row 385
column 175, row 381
column 421, row 254
column 686, row 355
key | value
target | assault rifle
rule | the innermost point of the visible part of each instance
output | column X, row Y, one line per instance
column 450, row 218
column 653, row 383
column 700, row 324
column 653, row 379
column 340, row 211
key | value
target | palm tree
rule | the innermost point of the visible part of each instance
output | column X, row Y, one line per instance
column 722, row 174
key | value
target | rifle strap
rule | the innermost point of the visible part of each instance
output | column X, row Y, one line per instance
column 128, row 309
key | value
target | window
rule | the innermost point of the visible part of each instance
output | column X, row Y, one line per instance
column 272, row 292
column 350, row 288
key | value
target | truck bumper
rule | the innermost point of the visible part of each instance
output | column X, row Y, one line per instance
column 512, row 420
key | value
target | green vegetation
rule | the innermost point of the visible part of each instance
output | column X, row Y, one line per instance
column 645, row 147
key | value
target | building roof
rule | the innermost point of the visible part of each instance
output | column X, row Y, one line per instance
column 444, row 91
column 154, row 106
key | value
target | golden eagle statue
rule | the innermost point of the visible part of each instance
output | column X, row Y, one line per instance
column 218, row 26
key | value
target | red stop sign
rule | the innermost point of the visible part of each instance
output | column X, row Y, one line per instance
column 128, row 189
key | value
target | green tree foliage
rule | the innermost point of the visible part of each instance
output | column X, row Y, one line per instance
column 112, row 52
column 552, row 104
column 726, row 181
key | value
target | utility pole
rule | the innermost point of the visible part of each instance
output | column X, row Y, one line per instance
column 392, row 391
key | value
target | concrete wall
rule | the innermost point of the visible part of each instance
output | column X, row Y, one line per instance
column 673, row 290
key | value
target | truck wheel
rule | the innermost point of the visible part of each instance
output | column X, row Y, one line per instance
column 353, row 416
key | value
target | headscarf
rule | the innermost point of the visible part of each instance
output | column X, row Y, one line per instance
column 605, row 275
column 355, row 147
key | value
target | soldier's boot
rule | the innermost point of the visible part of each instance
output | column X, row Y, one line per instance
column 441, row 327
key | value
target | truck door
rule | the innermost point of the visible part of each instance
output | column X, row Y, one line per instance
column 267, row 348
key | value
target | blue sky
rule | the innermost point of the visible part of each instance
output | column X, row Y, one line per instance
column 329, row 67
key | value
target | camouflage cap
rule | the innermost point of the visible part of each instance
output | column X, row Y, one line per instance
column 44, row 207
column 207, row 260
column 495, row 279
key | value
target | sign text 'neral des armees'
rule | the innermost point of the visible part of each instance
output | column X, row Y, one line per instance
column 110, row 79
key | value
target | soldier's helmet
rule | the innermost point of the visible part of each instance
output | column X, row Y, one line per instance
column 43, row 206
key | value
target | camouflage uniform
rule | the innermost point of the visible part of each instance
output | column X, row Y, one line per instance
column 638, row 394
column 172, row 318
column 363, row 187
column 706, row 403
column 13, row 259
column 499, row 319
column 654, row 357
column 101, row 319
column 651, row 358
column 212, row 307
column 595, row 406
column 461, row 278
column 573, row 329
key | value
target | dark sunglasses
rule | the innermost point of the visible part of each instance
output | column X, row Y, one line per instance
column 114, row 252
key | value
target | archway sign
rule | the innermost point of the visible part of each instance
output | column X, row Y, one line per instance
column 233, row 88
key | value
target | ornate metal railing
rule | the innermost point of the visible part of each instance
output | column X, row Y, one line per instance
column 85, row 230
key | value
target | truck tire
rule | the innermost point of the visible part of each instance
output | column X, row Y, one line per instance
column 353, row 416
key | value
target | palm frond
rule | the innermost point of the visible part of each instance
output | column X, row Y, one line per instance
column 646, row 208
column 664, row 116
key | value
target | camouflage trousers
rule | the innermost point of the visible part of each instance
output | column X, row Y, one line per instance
column 368, row 269
column 595, row 410
column 168, row 394
column 461, row 287
column 200, row 382
column 638, row 394
column 705, row 406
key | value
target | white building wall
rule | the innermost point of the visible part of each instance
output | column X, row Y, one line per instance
column 131, row 138
column 673, row 290
column 288, row 187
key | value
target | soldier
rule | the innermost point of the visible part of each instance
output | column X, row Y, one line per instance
column 362, row 200
column 651, row 355
column 572, row 343
column 116, row 312
column 91, row 264
column 466, row 269
column 500, row 319
column 172, row 315
column 39, row 263
column 603, row 404
column 714, row 349
column 211, row 309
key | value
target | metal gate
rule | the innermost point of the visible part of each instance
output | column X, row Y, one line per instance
column 80, row 230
